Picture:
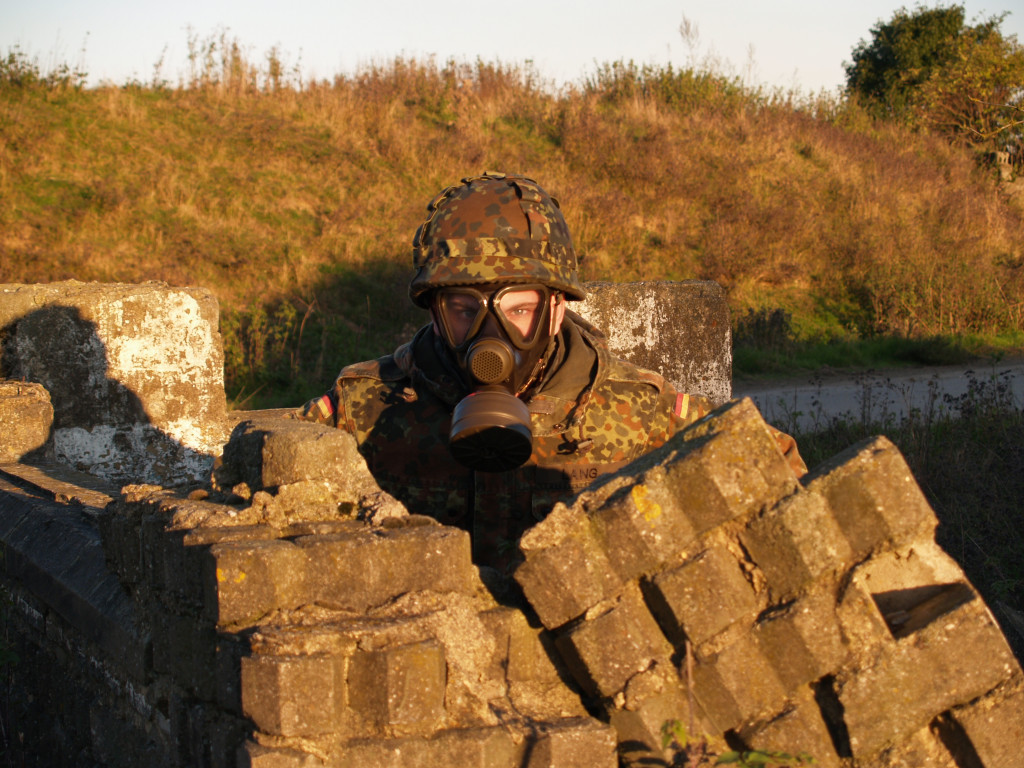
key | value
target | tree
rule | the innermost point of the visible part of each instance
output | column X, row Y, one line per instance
column 929, row 69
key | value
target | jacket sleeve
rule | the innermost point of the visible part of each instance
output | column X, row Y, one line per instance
column 322, row 410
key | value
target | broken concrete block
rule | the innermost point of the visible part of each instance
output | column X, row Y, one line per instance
column 399, row 690
column 620, row 640
column 358, row 570
column 922, row 748
column 566, row 571
column 176, row 558
column 802, row 640
column 266, row 454
column 735, row 684
column 523, row 655
column 638, row 724
column 139, row 370
column 579, row 742
column 874, row 497
column 294, row 695
column 702, row 597
column 953, row 653
column 796, row 542
column 26, row 420
column 725, row 466
column 798, row 730
column 994, row 724
column 244, row 580
column 641, row 527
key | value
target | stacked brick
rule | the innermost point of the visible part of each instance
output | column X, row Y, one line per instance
column 709, row 586
column 330, row 641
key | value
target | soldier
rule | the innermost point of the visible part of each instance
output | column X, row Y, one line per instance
column 507, row 401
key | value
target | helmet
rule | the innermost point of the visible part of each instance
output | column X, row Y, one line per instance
column 493, row 229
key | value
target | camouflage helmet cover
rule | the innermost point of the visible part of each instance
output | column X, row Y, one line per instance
column 493, row 229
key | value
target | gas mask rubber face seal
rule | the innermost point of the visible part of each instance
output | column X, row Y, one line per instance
column 498, row 340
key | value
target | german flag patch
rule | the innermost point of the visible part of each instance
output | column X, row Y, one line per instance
column 682, row 405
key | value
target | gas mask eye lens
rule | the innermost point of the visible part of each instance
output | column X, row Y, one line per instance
column 461, row 314
column 520, row 311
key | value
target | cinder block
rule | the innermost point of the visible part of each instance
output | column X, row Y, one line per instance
column 796, row 542
column 355, row 571
column 399, row 690
column 798, row 730
column 491, row 747
column 735, row 684
column 922, row 748
column 725, row 466
column 526, row 659
column 271, row 452
column 803, row 641
column 26, row 421
column 522, row 654
column 253, row 755
column 579, row 742
column 874, row 497
column 994, row 724
column 245, row 580
column 702, row 597
column 640, row 528
column 566, row 571
column 621, row 640
column 294, row 695
column 958, row 655
column 638, row 725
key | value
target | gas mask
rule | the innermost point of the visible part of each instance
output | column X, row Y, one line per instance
column 498, row 341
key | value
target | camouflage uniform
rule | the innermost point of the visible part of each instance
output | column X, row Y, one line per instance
column 589, row 413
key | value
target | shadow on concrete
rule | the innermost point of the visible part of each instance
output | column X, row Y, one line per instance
column 100, row 426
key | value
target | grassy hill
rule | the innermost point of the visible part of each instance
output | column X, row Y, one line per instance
column 296, row 204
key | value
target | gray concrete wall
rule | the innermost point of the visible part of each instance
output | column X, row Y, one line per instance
column 135, row 374
column 680, row 329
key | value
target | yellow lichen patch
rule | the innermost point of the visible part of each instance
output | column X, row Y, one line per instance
column 649, row 508
column 221, row 576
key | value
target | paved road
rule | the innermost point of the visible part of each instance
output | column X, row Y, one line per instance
column 801, row 405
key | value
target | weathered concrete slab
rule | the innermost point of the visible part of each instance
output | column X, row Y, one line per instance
column 680, row 329
column 135, row 374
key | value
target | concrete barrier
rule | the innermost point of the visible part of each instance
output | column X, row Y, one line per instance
column 273, row 616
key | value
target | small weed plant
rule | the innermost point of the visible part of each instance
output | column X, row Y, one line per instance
column 689, row 752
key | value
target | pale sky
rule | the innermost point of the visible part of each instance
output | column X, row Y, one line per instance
column 798, row 44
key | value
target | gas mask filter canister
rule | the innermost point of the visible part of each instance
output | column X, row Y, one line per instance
column 498, row 340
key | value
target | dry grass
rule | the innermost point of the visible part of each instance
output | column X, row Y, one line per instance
column 295, row 201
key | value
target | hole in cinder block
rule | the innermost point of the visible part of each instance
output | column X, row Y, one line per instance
column 908, row 610
column 951, row 734
column 833, row 714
